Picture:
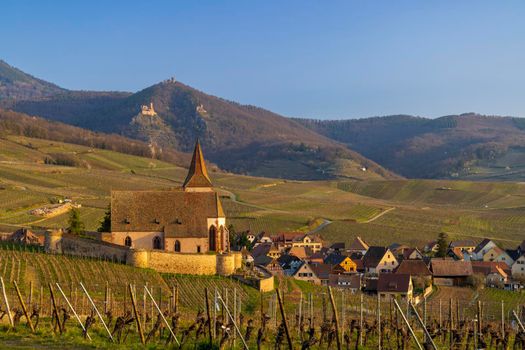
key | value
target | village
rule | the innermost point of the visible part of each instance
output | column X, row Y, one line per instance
column 397, row 270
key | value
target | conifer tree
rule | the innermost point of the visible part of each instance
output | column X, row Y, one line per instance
column 442, row 243
column 76, row 225
column 105, row 224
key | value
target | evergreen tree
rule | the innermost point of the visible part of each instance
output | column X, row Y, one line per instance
column 105, row 224
column 442, row 243
column 76, row 225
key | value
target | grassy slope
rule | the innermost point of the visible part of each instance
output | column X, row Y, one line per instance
column 415, row 211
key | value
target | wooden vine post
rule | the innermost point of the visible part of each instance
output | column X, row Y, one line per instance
column 24, row 307
column 8, row 309
column 336, row 318
column 54, row 311
column 210, row 334
column 283, row 315
column 136, row 314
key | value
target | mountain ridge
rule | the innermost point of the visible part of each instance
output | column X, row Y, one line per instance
column 239, row 138
column 444, row 147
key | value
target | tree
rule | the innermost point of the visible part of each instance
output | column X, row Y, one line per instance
column 76, row 225
column 442, row 243
column 105, row 224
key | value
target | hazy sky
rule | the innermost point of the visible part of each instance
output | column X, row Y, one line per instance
column 325, row 59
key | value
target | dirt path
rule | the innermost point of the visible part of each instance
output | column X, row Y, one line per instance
column 378, row 215
column 325, row 223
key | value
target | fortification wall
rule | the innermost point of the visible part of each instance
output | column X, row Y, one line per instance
column 170, row 262
column 57, row 242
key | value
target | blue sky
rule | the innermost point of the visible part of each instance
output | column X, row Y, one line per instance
column 323, row 59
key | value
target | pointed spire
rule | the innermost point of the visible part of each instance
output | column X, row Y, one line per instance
column 197, row 174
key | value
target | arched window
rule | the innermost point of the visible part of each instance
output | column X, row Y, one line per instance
column 223, row 239
column 177, row 246
column 127, row 241
column 212, row 239
column 156, row 243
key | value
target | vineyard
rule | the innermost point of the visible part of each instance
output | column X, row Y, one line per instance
column 308, row 309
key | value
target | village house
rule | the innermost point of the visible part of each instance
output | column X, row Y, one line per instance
column 496, row 274
column 497, row 254
column 261, row 249
column 412, row 254
column 346, row 264
column 289, row 263
column 348, row 282
column 306, row 273
column 431, row 247
column 300, row 252
column 465, row 245
column 413, row 268
column 315, row 258
column 186, row 220
column 270, row 264
column 482, row 248
column 395, row 285
column 322, row 271
column 338, row 247
column 448, row 272
column 298, row 239
column 379, row 260
column 518, row 268
column 357, row 246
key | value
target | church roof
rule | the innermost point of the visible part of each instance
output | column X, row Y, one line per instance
column 176, row 213
column 197, row 174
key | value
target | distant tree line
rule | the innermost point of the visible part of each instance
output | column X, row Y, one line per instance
column 13, row 123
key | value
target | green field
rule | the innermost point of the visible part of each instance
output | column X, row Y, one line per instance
column 382, row 212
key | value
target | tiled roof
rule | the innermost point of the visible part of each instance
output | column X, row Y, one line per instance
column 334, row 259
column 350, row 281
column 177, row 213
column 261, row 249
column 394, row 283
column 488, row 267
column 413, row 267
column 450, row 268
column 322, row 271
column 481, row 245
column 358, row 244
column 373, row 256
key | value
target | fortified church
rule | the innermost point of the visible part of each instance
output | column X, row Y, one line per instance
column 186, row 220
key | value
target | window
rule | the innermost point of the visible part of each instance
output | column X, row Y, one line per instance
column 198, row 249
column 212, row 238
column 157, row 243
column 177, row 246
column 127, row 241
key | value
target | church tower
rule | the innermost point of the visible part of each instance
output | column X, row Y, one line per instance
column 197, row 179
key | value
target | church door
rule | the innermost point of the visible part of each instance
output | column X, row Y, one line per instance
column 212, row 238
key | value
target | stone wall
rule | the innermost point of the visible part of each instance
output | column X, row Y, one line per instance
column 57, row 242
column 195, row 264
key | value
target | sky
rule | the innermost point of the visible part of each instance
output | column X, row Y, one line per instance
column 317, row 59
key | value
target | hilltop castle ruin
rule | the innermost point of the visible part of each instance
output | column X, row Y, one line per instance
column 148, row 110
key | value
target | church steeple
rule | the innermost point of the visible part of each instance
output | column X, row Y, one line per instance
column 197, row 179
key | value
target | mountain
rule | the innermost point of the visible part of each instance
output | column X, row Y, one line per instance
column 466, row 146
column 238, row 138
column 15, row 84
